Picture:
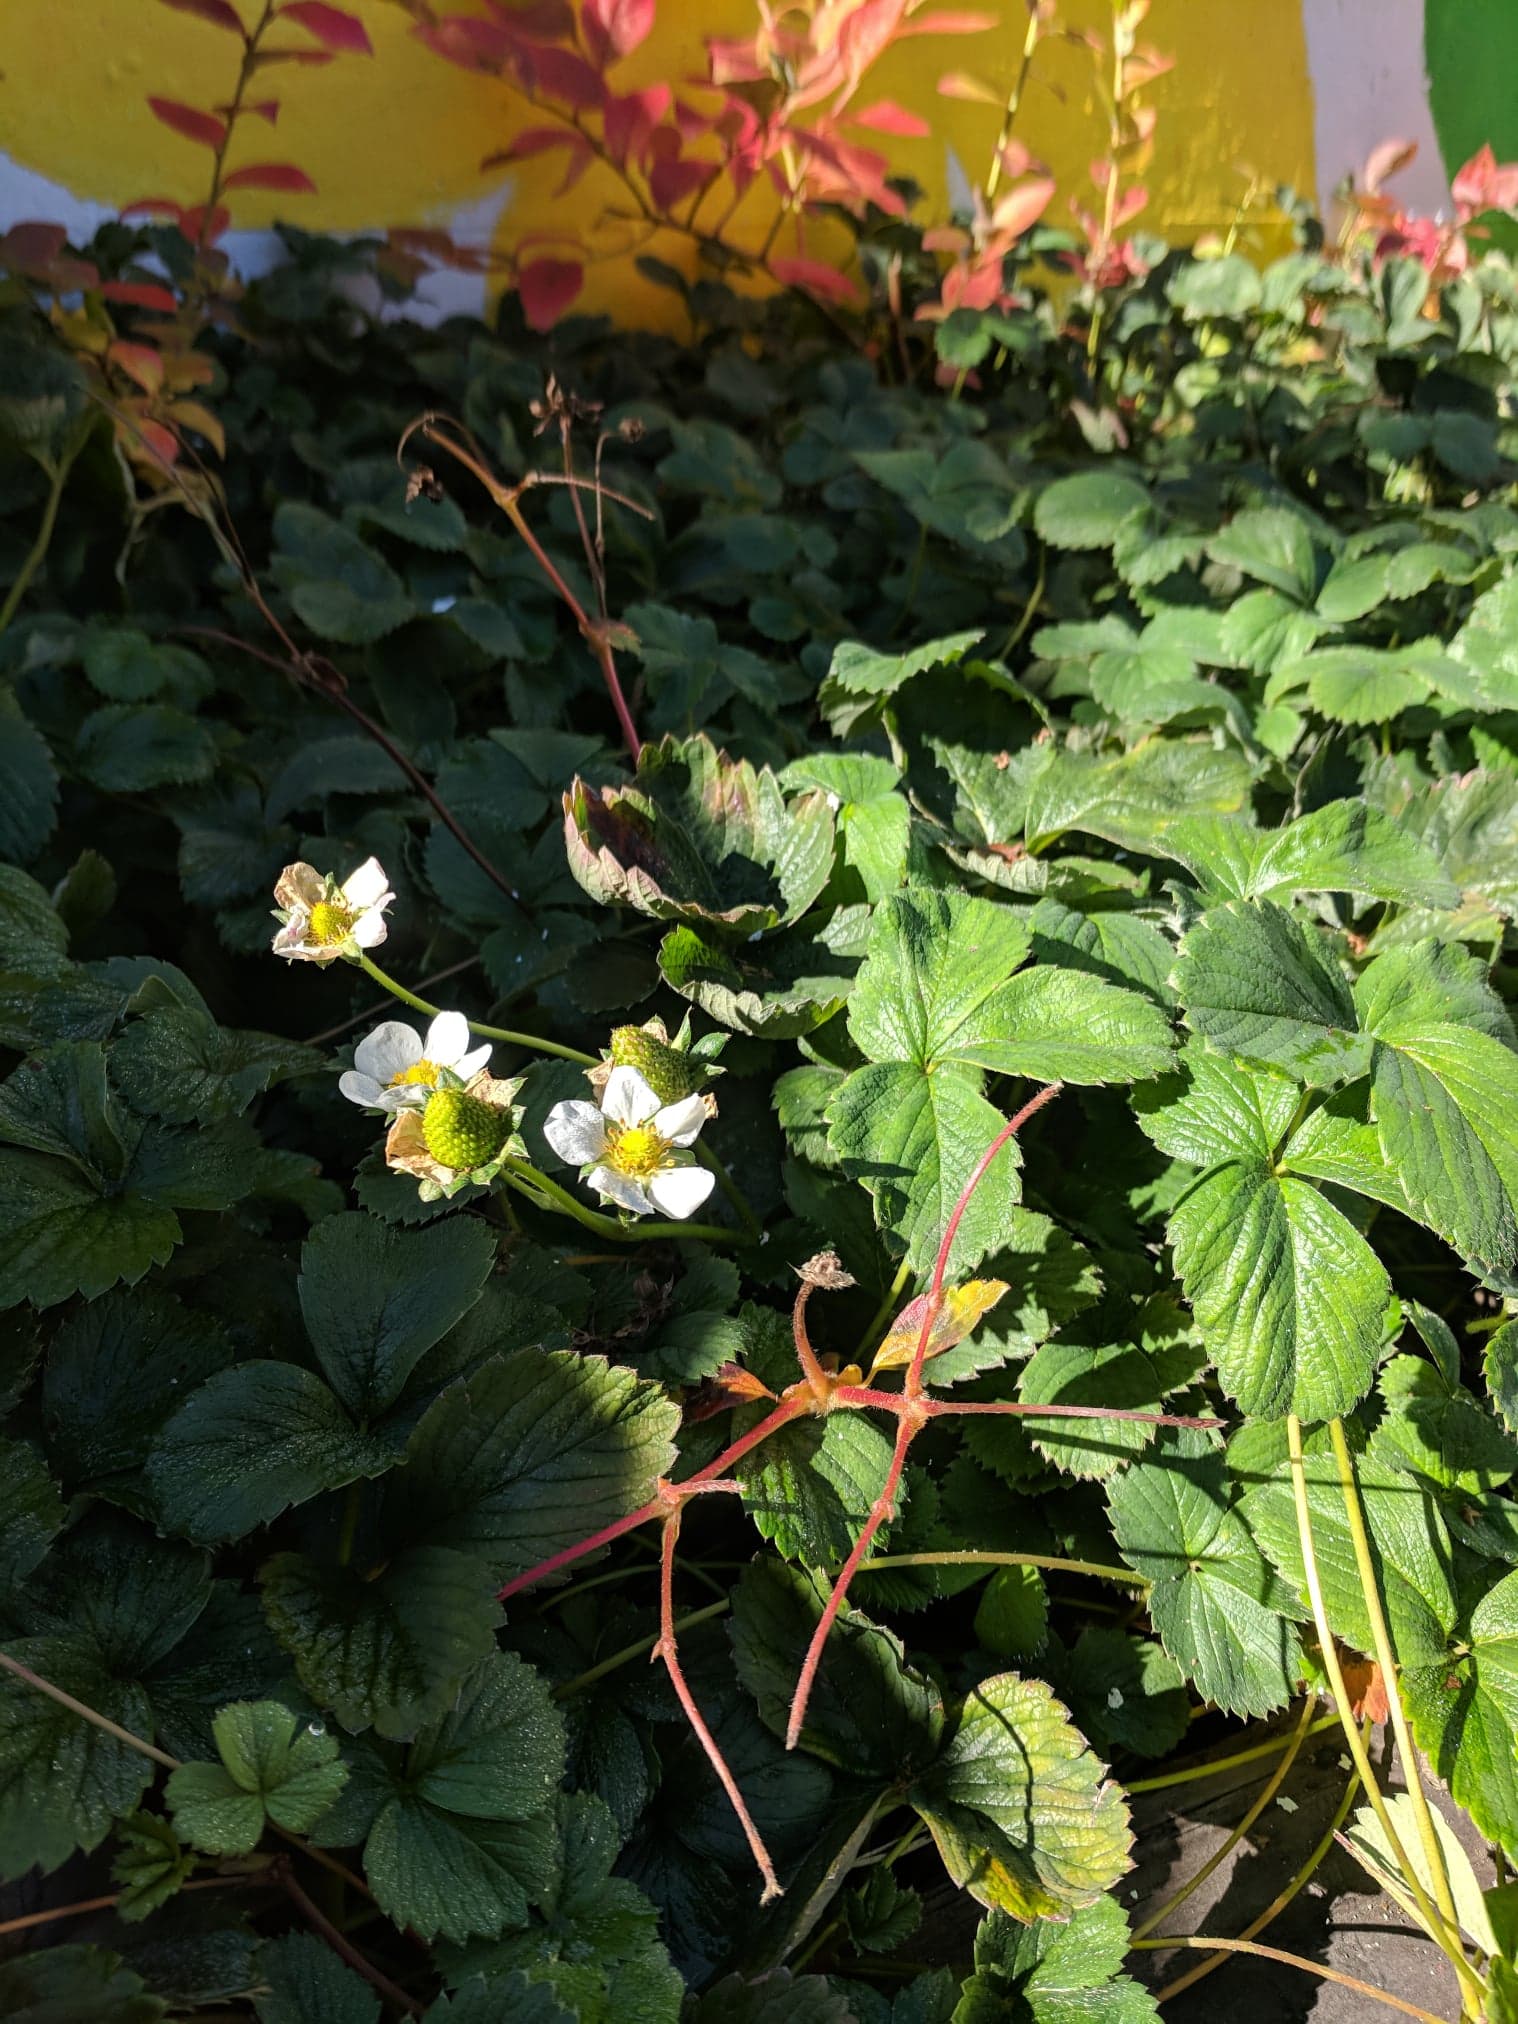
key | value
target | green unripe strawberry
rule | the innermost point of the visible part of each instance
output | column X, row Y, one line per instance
column 462, row 1132
column 668, row 1073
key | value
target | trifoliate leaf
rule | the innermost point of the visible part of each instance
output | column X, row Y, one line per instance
column 1089, row 510
column 273, row 1766
column 464, row 1839
column 1213, row 1600
column 1117, row 1376
column 178, row 1064
column 127, row 748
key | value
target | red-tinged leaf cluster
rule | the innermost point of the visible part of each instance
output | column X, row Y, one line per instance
column 1378, row 225
column 976, row 278
column 219, row 13
column 774, row 110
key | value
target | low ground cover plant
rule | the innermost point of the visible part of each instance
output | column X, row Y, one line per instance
column 827, row 1004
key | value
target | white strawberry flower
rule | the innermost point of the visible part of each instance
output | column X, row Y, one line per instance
column 397, row 1068
column 633, row 1150
column 322, row 920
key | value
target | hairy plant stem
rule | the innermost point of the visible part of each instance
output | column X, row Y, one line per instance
column 1386, row 1658
column 533, row 1042
column 1284, row 1897
column 1221, row 1854
column 547, row 1194
column 36, row 555
column 1295, row 1961
column 1446, row 1938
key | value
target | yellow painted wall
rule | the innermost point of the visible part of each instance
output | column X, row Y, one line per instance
column 398, row 138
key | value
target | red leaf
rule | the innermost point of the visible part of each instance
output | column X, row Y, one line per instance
column 1022, row 208
column 629, row 120
column 189, row 124
column 32, row 243
column 257, row 108
column 671, row 181
column 1484, row 184
column 333, row 29
column 141, row 295
column 534, row 141
column 220, row 13
column 140, row 362
column 815, row 277
column 190, row 222
column 270, row 176
column 547, row 287
column 148, row 442
column 613, row 28
column 566, row 76
column 962, row 23
column 885, row 116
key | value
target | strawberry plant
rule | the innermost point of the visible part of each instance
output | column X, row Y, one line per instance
column 759, row 1135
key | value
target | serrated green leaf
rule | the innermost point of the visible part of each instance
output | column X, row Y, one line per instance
column 1127, row 1693
column 1464, row 1710
column 178, row 1064
column 390, row 1651
column 1012, row 1616
column 304, row 1982
column 1252, row 983
column 1088, row 510
column 62, row 1780
column 150, row 1865
column 1119, row 1376
column 273, row 1766
column 375, row 1300
column 1048, row 1973
column 1022, row 1814
column 533, row 1452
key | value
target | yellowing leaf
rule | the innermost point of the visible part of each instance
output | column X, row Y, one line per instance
column 963, row 1308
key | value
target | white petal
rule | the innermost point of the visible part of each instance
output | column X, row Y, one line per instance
column 291, row 939
column 621, row 1189
column 576, row 1131
column 369, row 929
column 360, row 1089
column 410, row 1096
column 680, row 1191
column 368, row 886
column 388, row 1050
column 627, row 1098
column 679, row 1124
column 469, row 1065
column 447, row 1039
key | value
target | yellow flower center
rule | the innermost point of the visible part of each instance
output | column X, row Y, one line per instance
column 425, row 1072
column 331, row 922
column 636, row 1149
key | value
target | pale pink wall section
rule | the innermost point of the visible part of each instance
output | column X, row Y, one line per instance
column 1368, row 81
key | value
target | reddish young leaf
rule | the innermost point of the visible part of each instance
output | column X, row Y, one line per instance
column 547, row 287
column 815, row 277
column 140, row 362
column 188, row 123
column 885, row 116
column 342, row 34
column 959, row 23
column 630, row 119
column 563, row 74
column 671, row 180
column 190, row 222
column 32, row 243
column 148, row 442
column 1022, row 207
column 141, row 295
column 1484, row 184
column 270, row 176
column 613, row 28
column 220, row 13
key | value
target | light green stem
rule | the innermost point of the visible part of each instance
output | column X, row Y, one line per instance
column 534, row 1042
column 633, row 1651
column 37, row 553
column 537, row 1187
column 976, row 1559
column 884, row 1312
column 1194, row 1772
